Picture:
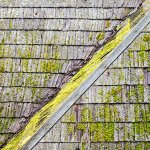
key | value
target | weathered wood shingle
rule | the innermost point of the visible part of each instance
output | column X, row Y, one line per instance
column 43, row 41
column 114, row 112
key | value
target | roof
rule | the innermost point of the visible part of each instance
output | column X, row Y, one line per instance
column 43, row 45
column 91, row 70
column 114, row 112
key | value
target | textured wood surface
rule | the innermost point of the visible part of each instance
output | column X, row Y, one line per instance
column 71, row 3
column 43, row 41
column 114, row 112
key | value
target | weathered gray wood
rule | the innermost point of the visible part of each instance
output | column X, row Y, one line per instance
column 147, row 29
column 57, row 24
column 81, row 13
column 32, row 66
column 54, row 134
column 116, row 132
column 5, row 125
column 68, row 132
column 95, row 146
column 126, row 76
column 49, row 37
column 69, row 146
column 47, row 146
column 4, row 137
column 66, row 117
column 26, row 94
column 70, row 3
column 12, row 109
column 107, row 113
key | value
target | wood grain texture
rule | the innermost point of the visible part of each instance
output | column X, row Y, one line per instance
column 39, row 46
column 120, row 97
column 71, row 3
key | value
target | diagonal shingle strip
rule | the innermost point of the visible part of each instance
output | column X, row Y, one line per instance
column 45, row 118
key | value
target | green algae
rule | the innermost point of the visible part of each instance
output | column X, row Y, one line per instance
column 46, row 52
column 102, row 113
column 72, row 117
column 1, row 110
column 147, row 145
column 100, row 36
column 148, row 128
column 86, row 115
column 146, row 37
column 130, row 54
column 10, row 24
column 43, row 66
column 53, row 66
column 27, row 53
column 47, row 77
column 114, row 94
column 90, row 37
column 107, row 24
column 34, row 80
column 6, row 123
column 70, row 129
column 141, row 55
column 136, row 110
column 143, row 46
column 33, row 91
column 2, row 47
column 133, row 93
column 83, row 146
column 107, row 113
column 109, row 132
column 140, row 89
column 2, row 66
column 25, row 64
column 102, row 131
column 26, row 36
column 82, row 126
column 139, row 146
column 100, row 92
column 15, row 39
column 28, row 80
column 127, row 145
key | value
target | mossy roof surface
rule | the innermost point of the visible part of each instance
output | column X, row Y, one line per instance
column 114, row 112
column 41, row 50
